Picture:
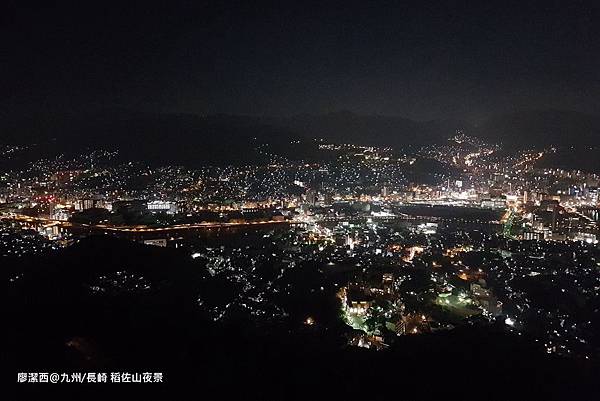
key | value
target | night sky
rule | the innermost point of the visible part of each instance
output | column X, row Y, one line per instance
column 451, row 60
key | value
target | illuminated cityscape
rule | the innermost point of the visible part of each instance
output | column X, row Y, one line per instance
column 203, row 219
column 471, row 243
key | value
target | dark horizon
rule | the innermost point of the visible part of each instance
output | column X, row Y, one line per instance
column 113, row 110
column 424, row 62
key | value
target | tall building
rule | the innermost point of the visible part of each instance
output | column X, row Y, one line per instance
column 84, row 204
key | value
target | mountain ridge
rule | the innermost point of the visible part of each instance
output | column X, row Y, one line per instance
column 122, row 128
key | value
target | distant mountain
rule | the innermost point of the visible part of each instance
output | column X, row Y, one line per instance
column 542, row 128
column 216, row 139
column 156, row 138
column 369, row 129
column 229, row 139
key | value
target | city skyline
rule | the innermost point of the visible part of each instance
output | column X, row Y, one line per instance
column 297, row 200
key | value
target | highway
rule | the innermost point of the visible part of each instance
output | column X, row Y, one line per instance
column 44, row 222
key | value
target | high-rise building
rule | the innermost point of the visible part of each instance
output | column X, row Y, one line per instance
column 85, row 204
